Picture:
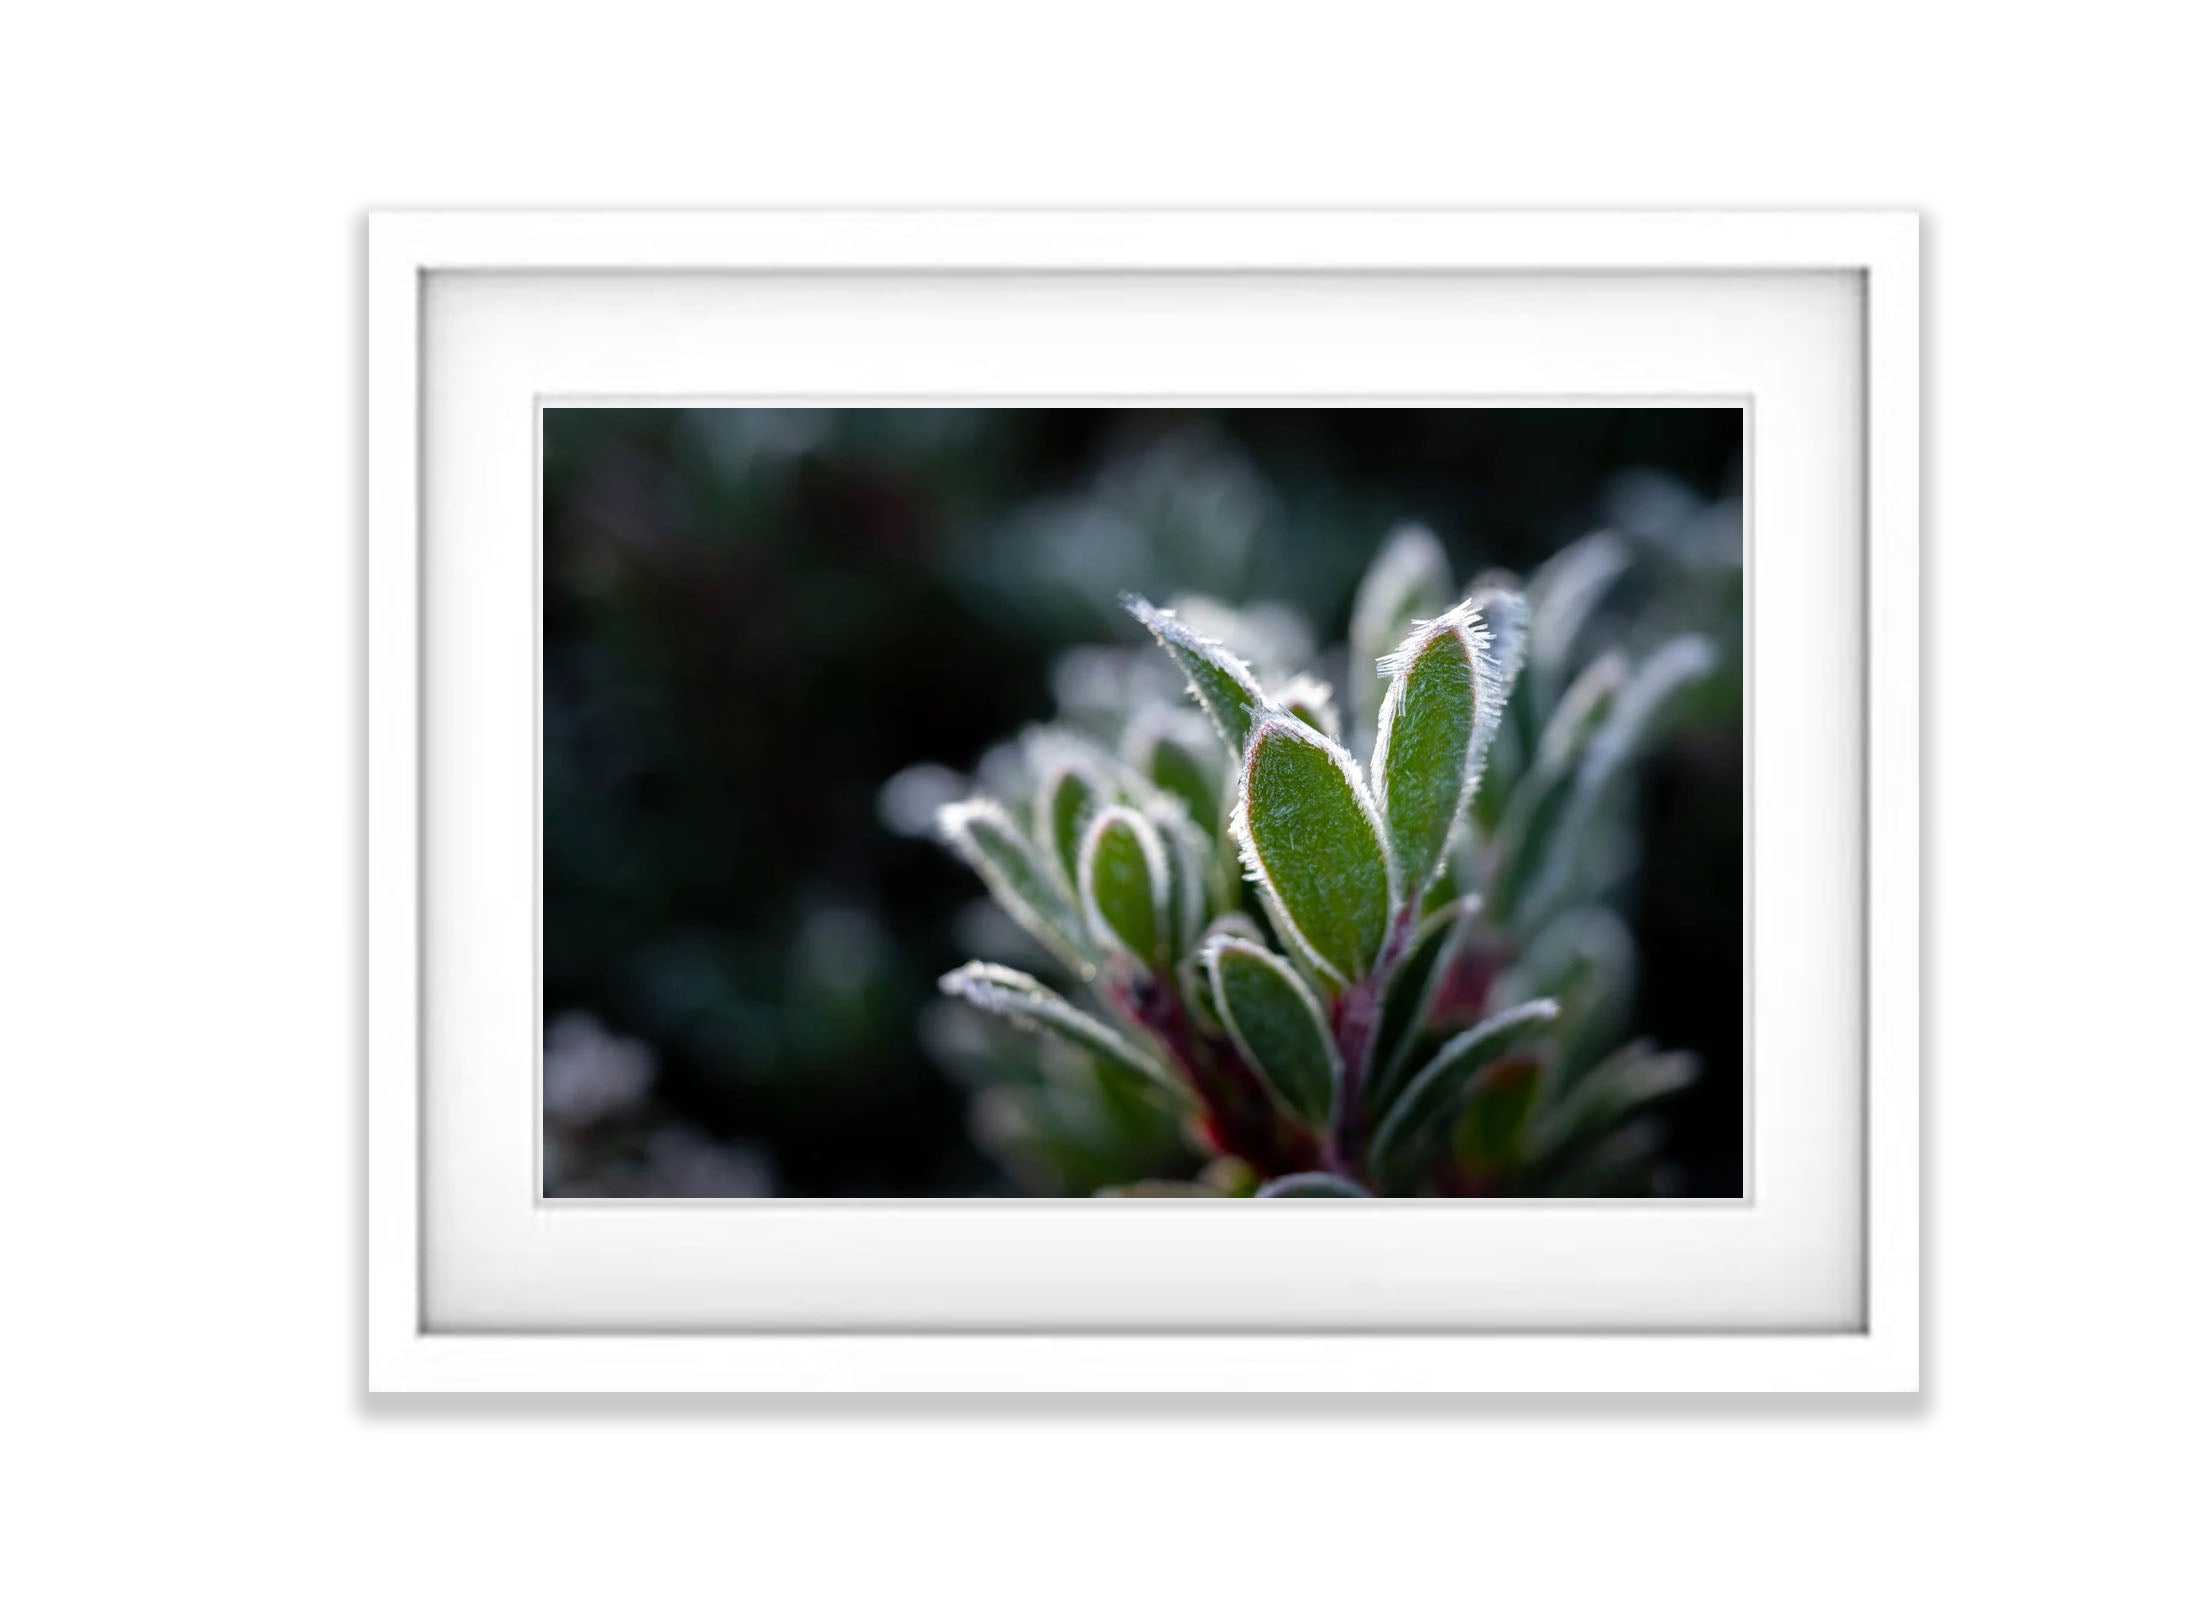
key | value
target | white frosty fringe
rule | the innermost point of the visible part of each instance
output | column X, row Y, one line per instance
column 1306, row 694
column 1506, row 616
column 1447, row 927
column 1590, row 935
column 1173, row 634
column 1669, row 669
column 1464, row 618
column 1410, row 565
column 958, row 823
column 1026, row 1001
column 1566, row 590
column 1566, row 729
column 1236, row 925
column 1192, row 860
column 1157, row 875
column 1276, row 723
column 1055, row 757
column 1596, row 759
column 1410, row 561
column 1465, row 621
column 1211, row 958
column 1193, row 737
column 1420, row 1101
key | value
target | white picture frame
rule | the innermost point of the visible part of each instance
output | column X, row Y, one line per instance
column 411, row 1252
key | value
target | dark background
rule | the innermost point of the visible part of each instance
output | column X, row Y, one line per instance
column 752, row 620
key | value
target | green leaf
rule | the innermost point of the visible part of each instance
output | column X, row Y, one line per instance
column 1023, row 999
column 1606, row 1096
column 1174, row 749
column 1407, row 995
column 1223, row 685
column 1233, row 925
column 1617, row 1167
column 1312, row 702
column 982, row 833
column 1312, row 838
column 1068, row 793
column 1123, row 884
column 1585, row 959
column 1421, row 1122
column 1588, row 700
column 1191, row 868
column 1435, row 725
column 1311, row 1186
column 1568, row 802
column 1493, row 1124
column 1565, row 593
column 1526, row 838
column 1408, row 579
column 1192, row 980
column 1158, row 1189
column 1667, row 673
column 1277, row 1023
column 1231, row 1176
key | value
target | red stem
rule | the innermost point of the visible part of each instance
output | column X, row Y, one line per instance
column 1241, row 1119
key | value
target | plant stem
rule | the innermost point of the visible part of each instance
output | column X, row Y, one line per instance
column 1241, row 1119
column 1356, row 1018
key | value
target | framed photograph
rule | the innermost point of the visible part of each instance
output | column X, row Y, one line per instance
column 1134, row 801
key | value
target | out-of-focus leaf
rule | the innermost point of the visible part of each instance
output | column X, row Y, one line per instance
column 1585, row 958
column 1191, row 869
column 1530, row 843
column 1309, row 966
column 1123, row 883
column 1618, row 1166
column 1024, row 999
column 1223, row 684
column 1277, row 1023
column 1444, row 888
column 1313, row 703
column 1267, row 636
column 1493, row 1124
column 1193, row 982
column 1311, row 836
column 1667, row 673
column 981, row 832
column 1505, row 615
column 1406, row 997
column 1607, row 1095
column 1311, row 1186
column 1520, row 851
column 1408, row 580
column 1175, row 751
column 1228, row 1175
column 1581, row 710
column 1435, row 724
column 1569, row 802
column 1159, row 1189
column 1233, row 925
column 1421, row 1121
column 1565, row 593
column 1069, row 791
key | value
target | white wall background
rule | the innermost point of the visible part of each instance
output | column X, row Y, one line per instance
column 179, row 870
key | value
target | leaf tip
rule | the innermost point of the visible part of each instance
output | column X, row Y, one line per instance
column 1465, row 619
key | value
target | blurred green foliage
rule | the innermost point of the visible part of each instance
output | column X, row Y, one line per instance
column 754, row 620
